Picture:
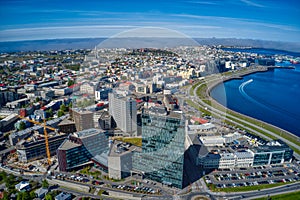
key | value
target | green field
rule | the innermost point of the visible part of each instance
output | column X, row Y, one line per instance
column 245, row 188
column 135, row 141
column 287, row 196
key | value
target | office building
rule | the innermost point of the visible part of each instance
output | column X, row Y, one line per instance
column 124, row 112
column 120, row 159
column 67, row 126
column 102, row 94
column 274, row 152
column 163, row 147
column 35, row 148
column 79, row 149
column 106, row 121
column 83, row 119
column 8, row 122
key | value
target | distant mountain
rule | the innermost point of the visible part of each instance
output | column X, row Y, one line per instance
column 287, row 46
column 137, row 42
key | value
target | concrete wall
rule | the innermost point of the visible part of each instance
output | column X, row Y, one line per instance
column 75, row 186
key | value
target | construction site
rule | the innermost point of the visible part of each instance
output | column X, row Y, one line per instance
column 35, row 147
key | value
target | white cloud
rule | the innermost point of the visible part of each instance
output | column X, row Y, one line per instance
column 240, row 21
column 204, row 2
column 252, row 3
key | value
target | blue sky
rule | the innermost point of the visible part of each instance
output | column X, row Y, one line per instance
column 253, row 19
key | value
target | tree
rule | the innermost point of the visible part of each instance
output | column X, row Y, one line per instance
column 70, row 105
column 70, row 82
column 60, row 113
column 50, row 112
column 37, row 99
column 48, row 197
column 22, row 125
column 45, row 184
column 23, row 196
column 32, row 194
column 63, row 108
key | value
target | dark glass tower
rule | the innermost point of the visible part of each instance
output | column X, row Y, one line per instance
column 162, row 155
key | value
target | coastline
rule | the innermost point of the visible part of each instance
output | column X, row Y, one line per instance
column 211, row 86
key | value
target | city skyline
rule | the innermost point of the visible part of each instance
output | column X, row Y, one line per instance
column 265, row 20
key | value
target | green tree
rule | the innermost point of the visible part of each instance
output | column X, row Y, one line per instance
column 50, row 112
column 23, row 196
column 26, row 196
column 45, row 184
column 32, row 194
column 70, row 105
column 22, row 125
column 60, row 113
column 48, row 197
column 63, row 108
column 37, row 99
column 71, row 82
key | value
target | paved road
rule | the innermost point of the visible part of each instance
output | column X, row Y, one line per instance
column 246, row 195
column 238, row 121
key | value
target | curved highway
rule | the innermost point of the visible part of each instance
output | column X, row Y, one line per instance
column 239, row 121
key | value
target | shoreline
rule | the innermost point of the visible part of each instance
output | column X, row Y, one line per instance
column 211, row 86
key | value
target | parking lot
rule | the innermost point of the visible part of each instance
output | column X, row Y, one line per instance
column 253, row 176
column 138, row 187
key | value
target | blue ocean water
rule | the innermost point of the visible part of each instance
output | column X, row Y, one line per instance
column 272, row 96
column 263, row 51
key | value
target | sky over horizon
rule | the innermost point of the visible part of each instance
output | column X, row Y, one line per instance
column 246, row 19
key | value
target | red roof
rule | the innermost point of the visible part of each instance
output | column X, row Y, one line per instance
column 74, row 85
column 100, row 104
column 44, row 108
column 200, row 120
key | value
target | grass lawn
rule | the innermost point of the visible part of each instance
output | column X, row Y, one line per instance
column 135, row 141
column 287, row 196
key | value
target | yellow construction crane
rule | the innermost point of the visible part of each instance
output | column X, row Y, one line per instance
column 45, row 133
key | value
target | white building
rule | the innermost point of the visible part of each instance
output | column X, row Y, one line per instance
column 227, row 160
column 123, row 110
column 229, row 138
column 87, row 88
column 23, row 186
column 244, row 158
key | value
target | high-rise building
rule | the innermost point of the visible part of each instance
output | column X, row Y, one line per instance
column 79, row 149
column 83, row 119
column 120, row 159
column 123, row 110
column 106, row 121
column 162, row 156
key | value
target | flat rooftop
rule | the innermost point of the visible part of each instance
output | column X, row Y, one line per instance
column 67, row 144
column 87, row 132
column 119, row 148
column 66, row 122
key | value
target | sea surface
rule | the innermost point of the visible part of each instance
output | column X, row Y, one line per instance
column 263, row 51
column 272, row 96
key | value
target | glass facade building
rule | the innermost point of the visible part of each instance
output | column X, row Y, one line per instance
column 274, row 152
column 80, row 148
column 162, row 156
